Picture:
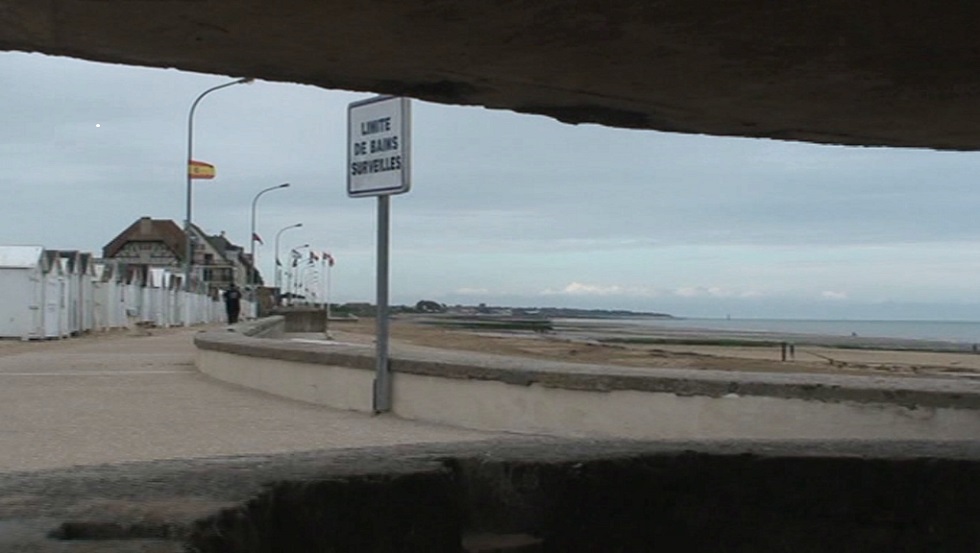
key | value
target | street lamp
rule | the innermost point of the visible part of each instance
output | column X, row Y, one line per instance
column 278, row 264
column 327, row 263
column 189, row 252
column 251, row 276
column 293, row 272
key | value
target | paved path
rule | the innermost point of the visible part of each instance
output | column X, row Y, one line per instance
column 126, row 398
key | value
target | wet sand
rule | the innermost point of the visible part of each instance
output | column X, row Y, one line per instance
column 629, row 345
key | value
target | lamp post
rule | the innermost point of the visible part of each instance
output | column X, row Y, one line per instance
column 252, row 274
column 294, row 272
column 189, row 252
column 327, row 263
column 278, row 264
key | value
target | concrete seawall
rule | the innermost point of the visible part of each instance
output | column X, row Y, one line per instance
column 574, row 400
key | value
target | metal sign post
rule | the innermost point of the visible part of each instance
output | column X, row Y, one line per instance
column 378, row 164
column 382, row 382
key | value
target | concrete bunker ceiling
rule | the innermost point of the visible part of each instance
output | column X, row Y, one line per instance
column 826, row 71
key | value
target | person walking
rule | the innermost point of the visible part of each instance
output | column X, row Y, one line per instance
column 233, row 303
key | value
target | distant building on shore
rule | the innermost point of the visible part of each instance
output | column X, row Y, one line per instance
column 161, row 243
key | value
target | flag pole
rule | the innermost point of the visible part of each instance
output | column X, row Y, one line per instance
column 326, row 325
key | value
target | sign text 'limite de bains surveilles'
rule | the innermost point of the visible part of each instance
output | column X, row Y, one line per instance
column 378, row 140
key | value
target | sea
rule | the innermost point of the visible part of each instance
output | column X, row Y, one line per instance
column 966, row 332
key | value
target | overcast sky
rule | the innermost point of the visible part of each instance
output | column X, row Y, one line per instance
column 505, row 209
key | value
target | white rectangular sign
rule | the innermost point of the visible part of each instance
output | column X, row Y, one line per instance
column 378, row 146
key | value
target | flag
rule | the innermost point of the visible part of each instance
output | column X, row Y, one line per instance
column 255, row 236
column 329, row 258
column 200, row 170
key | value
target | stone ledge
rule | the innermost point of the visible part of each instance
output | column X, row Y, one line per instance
column 267, row 327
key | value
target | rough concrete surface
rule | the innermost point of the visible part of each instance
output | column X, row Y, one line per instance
column 210, row 501
column 873, row 72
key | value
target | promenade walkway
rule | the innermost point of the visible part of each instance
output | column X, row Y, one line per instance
column 119, row 398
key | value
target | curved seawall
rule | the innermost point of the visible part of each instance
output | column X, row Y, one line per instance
column 491, row 392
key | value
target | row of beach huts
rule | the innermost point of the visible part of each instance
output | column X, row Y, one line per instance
column 51, row 294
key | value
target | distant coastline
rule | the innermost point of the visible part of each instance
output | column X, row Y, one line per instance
column 575, row 313
column 524, row 319
column 628, row 326
column 601, row 323
column 483, row 310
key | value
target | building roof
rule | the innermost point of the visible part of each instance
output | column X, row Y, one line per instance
column 20, row 257
column 228, row 250
column 147, row 229
column 71, row 258
column 52, row 264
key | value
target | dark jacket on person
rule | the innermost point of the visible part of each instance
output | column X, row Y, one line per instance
column 233, row 297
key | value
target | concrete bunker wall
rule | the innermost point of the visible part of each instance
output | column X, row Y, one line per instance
column 874, row 72
column 511, row 394
column 607, row 497
column 528, row 495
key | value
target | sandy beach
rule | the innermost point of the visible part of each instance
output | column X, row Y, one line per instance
column 628, row 345
column 692, row 349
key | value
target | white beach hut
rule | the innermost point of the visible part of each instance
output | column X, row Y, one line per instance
column 173, row 299
column 21, row 292
column 109, row 296
column 86, row 279
column 119, row 295
column 151, row 308
column 55, row 312
column 134, row 279
column 159, row 286
column 74, row 300
column 100, row 295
